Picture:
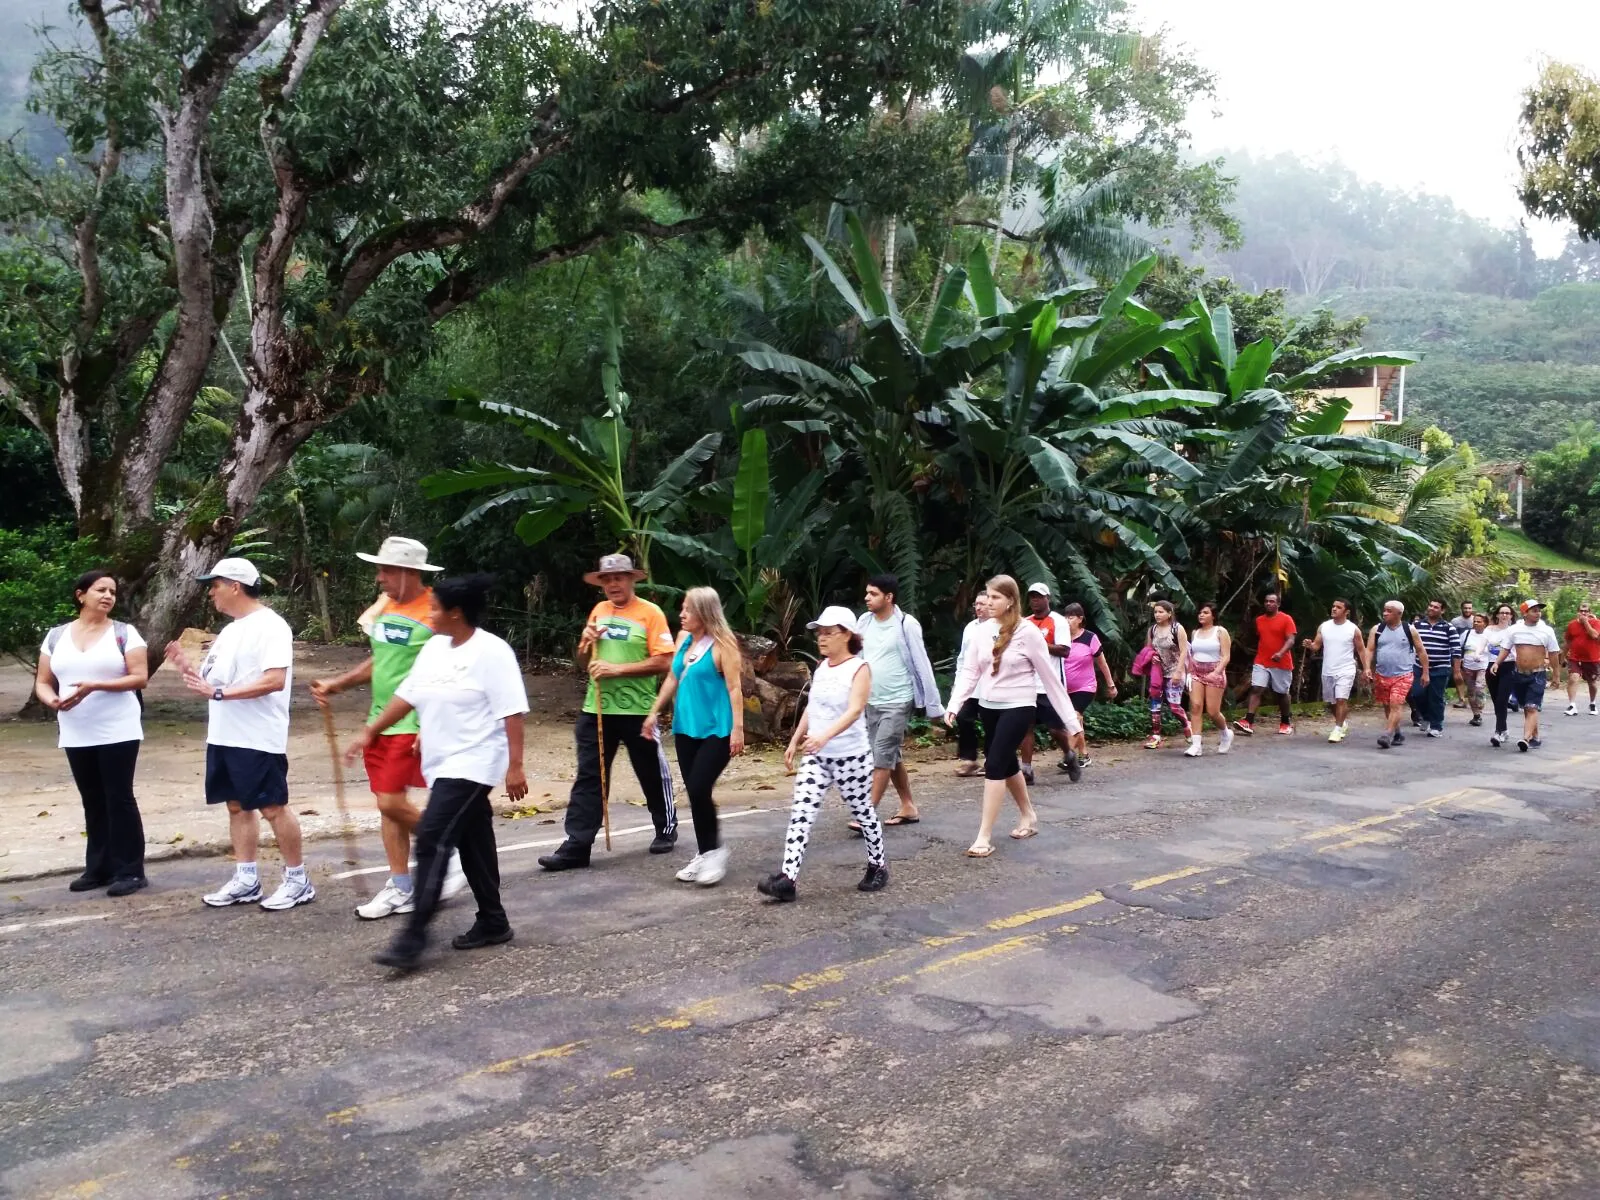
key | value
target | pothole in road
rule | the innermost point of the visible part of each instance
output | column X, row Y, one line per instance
column 1572, row 1034
column 1317, row 870
column 753, row 1168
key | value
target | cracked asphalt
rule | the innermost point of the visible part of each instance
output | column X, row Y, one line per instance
column 1302, row 970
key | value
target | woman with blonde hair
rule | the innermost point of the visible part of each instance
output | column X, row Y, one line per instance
column 1209, row 651
column 1003, row 681
column 705, row 691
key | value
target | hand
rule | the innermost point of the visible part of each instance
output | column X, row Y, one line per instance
column 813, row 744
column 1278, row 655
column 949, row 718
column 648, row 729
column 591, row 635
column 174, row 652
column 1306, row 642
column 788, row 758
column 603, row 670
column 362, row 741
column 68, row 703
column 516, row 782
column 197, row 685
column 322, row 691
column 736, row 742
column 53, row 703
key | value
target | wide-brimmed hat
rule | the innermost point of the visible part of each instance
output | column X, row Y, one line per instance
column 614, row 564
column 834, row 614
column 238, row 570
column 401, row 552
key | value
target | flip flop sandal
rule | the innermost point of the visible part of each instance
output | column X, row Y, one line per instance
column 897, row 819
column 1023, row 832
column 855, row 830
column 979, row 851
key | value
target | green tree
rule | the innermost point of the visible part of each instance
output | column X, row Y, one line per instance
column 1560, row 148
column 1562, row 507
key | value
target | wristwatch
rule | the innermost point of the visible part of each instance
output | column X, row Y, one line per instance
column 217, row 694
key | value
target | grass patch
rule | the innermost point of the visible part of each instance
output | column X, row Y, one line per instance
column 1519, row 550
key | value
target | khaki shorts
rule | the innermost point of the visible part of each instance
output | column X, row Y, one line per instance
column 886, row 729
column 1337, row 687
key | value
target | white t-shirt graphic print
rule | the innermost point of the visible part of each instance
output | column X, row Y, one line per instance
column 102, row 718
column 245, row 650
column 463, row 694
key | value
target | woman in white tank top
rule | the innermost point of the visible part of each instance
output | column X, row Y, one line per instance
column 1210, row 647
column 831, row 740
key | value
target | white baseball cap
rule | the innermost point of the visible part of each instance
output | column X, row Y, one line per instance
column 239, row 570
column 834, row 614
column 1038, row 589
column 401, row 552
column 1532, row 602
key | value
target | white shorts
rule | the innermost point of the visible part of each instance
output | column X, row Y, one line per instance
column 1337, row 687
column 1274, row 679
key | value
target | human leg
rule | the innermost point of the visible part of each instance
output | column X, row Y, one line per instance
column 398, row 817
column 854, row 779
column 286, row 830
column 85, row 765
column 811, row 783
column 124, row 826
column 1499, row 682
column 967, row 732
column 701, row 762
column 480, row 861
column 437, row 834
column 650, row 765
column 1174, row 696
column 244, row 832
column 1434, row 699
column 584, row 801
column 1004, row 729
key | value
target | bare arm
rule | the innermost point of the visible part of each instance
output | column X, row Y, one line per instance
column 322, row 689
column 44, row 684
column 1105, row 672
column 1183, row 651
column 516, row 777
column 669, row 689
column 733, row 677
column 392, row 712
column 1226, row 642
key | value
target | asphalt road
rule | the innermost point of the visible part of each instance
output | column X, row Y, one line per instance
column 1302, row 970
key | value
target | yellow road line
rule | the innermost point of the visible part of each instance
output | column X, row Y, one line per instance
column 1044, row 914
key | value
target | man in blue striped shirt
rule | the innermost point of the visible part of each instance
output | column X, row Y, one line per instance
column 1443, row 644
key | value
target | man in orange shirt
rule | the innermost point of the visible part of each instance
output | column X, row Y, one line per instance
column 1273, row 669
column 1583, row 658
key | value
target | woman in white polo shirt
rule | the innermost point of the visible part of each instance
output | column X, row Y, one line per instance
column 90, row 671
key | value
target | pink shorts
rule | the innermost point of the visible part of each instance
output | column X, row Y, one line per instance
column 1392, row 689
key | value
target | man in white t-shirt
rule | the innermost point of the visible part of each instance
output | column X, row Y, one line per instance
column 247, row 675
column 1532, row 646
column 1343, row 653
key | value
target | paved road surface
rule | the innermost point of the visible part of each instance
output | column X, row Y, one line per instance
column 1300, row 971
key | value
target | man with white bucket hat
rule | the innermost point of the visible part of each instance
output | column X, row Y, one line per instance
column 396, row 627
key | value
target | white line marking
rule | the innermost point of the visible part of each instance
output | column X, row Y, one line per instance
column 545, row 843
column 53, row 921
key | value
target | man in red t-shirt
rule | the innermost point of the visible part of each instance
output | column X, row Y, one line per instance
column 1273, row 670
column 1583, row 658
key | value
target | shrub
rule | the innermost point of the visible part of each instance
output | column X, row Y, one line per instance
column 37, row 570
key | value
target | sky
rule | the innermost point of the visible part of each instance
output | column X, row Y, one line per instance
column 1416, row 94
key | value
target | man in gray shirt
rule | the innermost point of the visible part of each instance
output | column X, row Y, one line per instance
column 902, row 682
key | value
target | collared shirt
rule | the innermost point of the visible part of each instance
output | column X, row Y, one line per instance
column 1441, row 641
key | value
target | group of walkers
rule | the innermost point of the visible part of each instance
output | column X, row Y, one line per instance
column 448, row 702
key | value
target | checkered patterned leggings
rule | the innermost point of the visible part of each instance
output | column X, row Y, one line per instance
column 853, row 777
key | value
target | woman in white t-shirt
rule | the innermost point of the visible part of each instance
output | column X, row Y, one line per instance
column 1477, row 650
column 466, row 687
column 90, row 671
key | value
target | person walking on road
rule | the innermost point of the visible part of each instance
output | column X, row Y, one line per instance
column 1057, row 639
column 1168, row 642
column 1497, row 636
column 1002, row 677
column 1475, row 665
column 1444, row 658
column 902, row 683
column 467, row 691
column 1583, row 659
column 1393, row 652
column 626, row 647
column 1344, row 655
column 834, row 750
column 1532, row 648
column 1462, row 624
column 247, row 675
column 396, row 627
column 89, row 674
column 1085, row 656
column 967, row 719
column 1209, row 651
column 1273, row 668
column 705, row 692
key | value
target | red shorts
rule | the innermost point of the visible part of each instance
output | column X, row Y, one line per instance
column 393, row 764
column 1392, row 689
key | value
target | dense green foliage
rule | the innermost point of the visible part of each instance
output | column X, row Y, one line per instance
column 1562, row 509
column 1560, row 147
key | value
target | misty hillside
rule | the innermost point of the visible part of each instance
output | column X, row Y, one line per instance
column 20, row 44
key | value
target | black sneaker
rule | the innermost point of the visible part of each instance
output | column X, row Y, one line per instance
column 875, row 880
column 1384, row 741
column 87, row 883
column 1399, row 738
column 478, row 937
column 1476, row 721
column 779, row 887
column 568, row 856
column 663, row 843
column 128, row 886
column 1535, row 743
column 403, row 954
column 1072, row 766
column 1522, row 744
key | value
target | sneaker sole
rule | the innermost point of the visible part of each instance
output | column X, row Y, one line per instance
column 393, row 912
column 296, row 903
column 254, row 898
column 711, row 880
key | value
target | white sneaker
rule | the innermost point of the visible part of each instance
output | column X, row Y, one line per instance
column 387, row 903
column 713, row 867
column 691, row 869
column 1227, row 742
column 1337, row 735
column 1572, row 710
column 455, row 879
column 290, row 892
column 237, row 890
column 1194, row 749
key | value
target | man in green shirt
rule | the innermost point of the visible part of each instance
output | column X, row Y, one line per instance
column 396, row 627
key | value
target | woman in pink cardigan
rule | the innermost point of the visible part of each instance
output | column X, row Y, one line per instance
column 1009, row 664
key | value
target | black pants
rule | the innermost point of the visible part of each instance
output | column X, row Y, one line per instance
column 104, row 775
column 1500, row 694
column 1003, row 732
column 701, row 761
column 967, row 731
column 649, row 764
column 458, row 817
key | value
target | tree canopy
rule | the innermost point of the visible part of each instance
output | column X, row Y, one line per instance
column 1560, row 148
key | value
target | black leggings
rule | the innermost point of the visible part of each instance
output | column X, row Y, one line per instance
column 458, row 817
column 104, row 775
column 967, row 731
column 1500, row 694
column 701, row 760
column 1003, row 732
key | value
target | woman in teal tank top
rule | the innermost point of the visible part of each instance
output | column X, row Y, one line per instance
column 707, row 700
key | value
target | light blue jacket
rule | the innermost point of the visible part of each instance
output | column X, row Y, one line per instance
column 924, row 687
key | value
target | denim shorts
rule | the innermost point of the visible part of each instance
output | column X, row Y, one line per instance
column 1527, row 688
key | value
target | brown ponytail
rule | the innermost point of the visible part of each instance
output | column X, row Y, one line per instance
column 1008, row 620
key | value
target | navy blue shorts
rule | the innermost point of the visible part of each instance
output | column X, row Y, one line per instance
column 253, row 778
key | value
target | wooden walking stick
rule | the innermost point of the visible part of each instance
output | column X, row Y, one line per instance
column 346, row 828
column 600, row 736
